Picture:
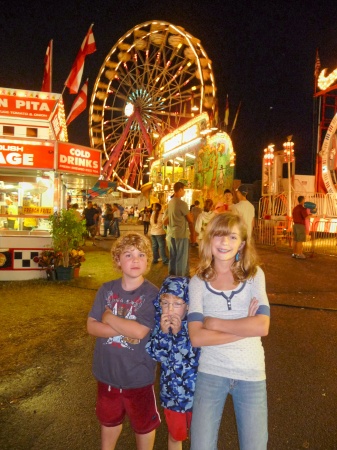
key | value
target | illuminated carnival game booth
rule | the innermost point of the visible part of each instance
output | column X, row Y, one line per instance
column 204, row 162
column 38, row 169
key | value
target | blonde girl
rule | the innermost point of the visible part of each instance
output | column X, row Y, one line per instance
column 228, row 314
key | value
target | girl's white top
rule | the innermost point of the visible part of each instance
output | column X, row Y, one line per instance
column 240, row 360
column 157, row 228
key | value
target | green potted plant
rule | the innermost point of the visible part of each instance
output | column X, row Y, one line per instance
column 66, row 233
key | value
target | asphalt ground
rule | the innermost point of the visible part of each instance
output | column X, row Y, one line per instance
column 301, row 364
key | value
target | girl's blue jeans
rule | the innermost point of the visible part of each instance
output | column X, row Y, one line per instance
column 250, row 405
column 159, row 247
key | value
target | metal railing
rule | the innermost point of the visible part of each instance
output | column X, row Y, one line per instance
column 321, row 235
column 277, row 205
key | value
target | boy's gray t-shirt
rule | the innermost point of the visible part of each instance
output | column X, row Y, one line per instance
column 120, row 361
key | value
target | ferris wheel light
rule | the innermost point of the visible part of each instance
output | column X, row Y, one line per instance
column 129, row 109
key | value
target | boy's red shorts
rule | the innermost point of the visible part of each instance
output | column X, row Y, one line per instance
column 138, row 404
column 178, row 424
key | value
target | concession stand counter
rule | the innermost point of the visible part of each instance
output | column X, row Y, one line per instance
column 38, row 167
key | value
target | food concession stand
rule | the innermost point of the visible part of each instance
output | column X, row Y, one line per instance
column 38, row 168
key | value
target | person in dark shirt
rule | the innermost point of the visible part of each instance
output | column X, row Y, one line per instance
column 98, row 218
column 90, row 216
column 108, row 216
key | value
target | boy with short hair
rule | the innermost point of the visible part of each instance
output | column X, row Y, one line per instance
column 170, row 345
column 121, row 319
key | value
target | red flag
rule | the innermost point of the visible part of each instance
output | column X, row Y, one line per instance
column 226, row 112
column 47, row 74
column 317, row 65
column 79, row 104
column 88, row 46
column 236, row 118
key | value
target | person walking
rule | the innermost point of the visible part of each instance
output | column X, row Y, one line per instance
column 116, row 219
column 98, row 218
column 244, row 208
column 204, row 218
column 146, row 219
column 228, row 313
column 158, row 235
column 180, row 221
column 108, row 217
column 90, row 215
column 299, row 214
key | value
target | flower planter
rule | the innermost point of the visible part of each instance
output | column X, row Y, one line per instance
column 76, row 272
column 64, row 273
column 51, row 275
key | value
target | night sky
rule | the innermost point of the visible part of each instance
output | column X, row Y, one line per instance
column 262, row 53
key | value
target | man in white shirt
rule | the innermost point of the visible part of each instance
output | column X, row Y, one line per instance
column 244, row 208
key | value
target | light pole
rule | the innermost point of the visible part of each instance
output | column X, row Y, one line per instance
column 268, row 160
column 289, row 158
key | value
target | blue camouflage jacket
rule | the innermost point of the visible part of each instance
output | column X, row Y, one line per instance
column 179, row 364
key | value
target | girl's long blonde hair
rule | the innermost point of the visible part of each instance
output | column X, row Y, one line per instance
column 222, row 225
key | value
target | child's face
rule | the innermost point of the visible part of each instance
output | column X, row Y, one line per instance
column 228, row 197
column 133, row 262
column 171, row 304
column 224, row 248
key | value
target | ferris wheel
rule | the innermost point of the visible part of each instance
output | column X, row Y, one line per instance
column 154, row 79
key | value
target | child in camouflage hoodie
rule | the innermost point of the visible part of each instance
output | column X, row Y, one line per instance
column 170, row 345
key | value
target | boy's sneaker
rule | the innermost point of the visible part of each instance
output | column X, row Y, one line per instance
column 301, row 257
column 294, row 255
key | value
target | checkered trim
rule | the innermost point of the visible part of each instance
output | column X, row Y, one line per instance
column 21, row 259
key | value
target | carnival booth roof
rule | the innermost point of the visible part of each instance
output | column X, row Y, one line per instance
column 101, row 188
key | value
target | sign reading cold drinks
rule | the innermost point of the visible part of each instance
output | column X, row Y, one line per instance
column 78, row 159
